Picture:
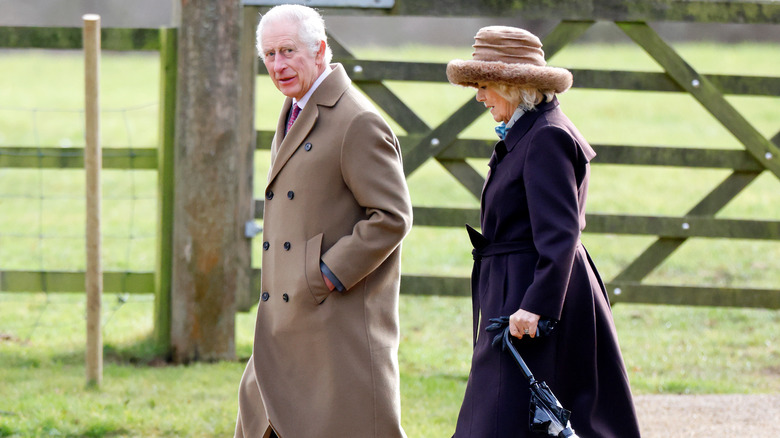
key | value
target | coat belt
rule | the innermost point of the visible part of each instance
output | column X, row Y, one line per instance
column 485, row 248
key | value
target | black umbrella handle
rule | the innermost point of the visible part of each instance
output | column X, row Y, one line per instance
column 551, row 410
column 518, row 358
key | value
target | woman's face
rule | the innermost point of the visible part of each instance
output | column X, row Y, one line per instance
column 499, row 107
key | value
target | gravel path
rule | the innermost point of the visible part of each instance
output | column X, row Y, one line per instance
column 717, row 416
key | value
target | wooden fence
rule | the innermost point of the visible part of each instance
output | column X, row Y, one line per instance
column 160, row 159
column 443, row 144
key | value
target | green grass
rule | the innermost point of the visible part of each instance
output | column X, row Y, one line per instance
column 667, row 349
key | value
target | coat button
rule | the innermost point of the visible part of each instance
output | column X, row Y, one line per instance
column 266, row 245
column 290, row 194
column 307, row 146
column 265, row 296
column 269, row 195
column 286, row 298
column 287, row 246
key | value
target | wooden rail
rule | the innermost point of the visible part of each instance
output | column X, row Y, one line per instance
column 442, row 143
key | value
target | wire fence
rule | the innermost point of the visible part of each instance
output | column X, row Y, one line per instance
column 28, row 318
column 43, row 208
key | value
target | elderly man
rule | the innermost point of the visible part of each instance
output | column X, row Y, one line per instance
column 336, row 209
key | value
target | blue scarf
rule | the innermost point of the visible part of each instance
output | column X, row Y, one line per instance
column 501, row 130
column 504, row 127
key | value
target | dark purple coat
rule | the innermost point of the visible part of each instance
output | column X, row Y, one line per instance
column 535, row 193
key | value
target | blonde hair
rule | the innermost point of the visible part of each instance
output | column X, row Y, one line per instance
column 525, row 97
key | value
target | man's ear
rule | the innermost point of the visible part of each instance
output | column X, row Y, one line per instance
column 321, row 53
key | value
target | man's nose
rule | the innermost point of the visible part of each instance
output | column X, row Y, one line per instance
column 279, row 65
column 480, row 95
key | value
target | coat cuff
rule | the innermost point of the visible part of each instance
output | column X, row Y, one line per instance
column 331, row 276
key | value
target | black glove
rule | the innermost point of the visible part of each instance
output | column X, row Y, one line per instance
column 499, row 324
column 545, row 327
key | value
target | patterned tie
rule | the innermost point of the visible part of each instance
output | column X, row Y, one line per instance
column 296, row 110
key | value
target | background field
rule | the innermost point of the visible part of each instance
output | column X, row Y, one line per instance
column 667, row 349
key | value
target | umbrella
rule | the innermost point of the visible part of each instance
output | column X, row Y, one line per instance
column 547, row 416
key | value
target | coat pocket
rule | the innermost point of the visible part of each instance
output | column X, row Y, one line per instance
column 319, row 291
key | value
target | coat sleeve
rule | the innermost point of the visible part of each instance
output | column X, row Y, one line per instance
column 372, row 169
column 551, row 187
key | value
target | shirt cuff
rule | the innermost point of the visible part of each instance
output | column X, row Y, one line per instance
column 331, row 276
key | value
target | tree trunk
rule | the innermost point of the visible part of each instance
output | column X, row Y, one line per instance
column 246, row 151
column 206, row 204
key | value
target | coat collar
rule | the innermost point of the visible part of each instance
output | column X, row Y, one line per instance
column 524, row 123
column 327, row 94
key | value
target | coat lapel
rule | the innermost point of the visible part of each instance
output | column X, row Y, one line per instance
column 327, row 94
column 528, row 119
column 277, row 141
column 285, row 145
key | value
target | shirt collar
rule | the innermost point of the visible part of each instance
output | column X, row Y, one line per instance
column 517, row 114
column 505, row 126
column 302, row 103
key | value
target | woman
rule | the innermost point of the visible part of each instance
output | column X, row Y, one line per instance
column 533, row 211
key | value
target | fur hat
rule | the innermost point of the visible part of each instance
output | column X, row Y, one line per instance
column 511, row 56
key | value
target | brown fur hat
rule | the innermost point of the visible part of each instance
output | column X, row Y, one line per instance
column 511, row 56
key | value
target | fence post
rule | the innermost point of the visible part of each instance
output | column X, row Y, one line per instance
column 165, row 188
column 92, row 165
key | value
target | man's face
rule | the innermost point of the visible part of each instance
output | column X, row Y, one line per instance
column 290, row 64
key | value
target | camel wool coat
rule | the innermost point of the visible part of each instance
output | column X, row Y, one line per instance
column 325, row 363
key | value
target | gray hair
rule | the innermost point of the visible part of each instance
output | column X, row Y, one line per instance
column 311, row 27
column 524, row 97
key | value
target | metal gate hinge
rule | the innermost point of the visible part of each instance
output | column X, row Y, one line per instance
column 251, row 229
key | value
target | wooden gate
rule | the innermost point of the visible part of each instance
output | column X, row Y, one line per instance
column 443, row 144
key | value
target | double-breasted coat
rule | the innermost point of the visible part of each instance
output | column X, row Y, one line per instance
column 324, row 363
column 534, row 196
